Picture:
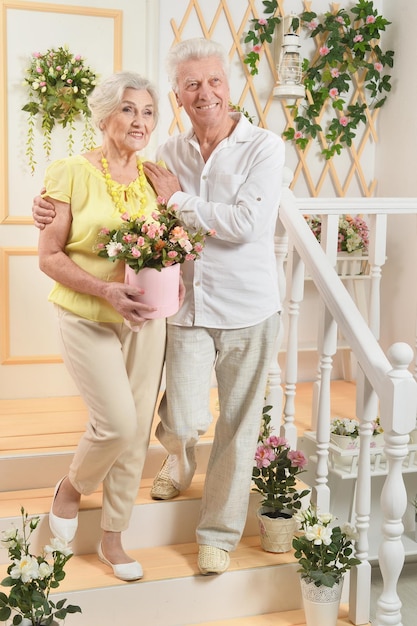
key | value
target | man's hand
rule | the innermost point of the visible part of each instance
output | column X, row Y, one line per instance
column 164, row 183
column 43, row 211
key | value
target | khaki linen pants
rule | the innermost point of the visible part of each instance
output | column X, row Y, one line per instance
column 118, row 374
column 242, row 359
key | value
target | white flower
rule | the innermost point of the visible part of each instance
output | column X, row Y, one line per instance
column 114, row 248
column 57, row 545
column 26, row 569
column 325, row 518
column 45, row 570
column 319, row 534
column 10, row 537
column 350, row 532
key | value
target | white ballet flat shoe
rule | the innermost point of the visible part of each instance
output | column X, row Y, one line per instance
column 62, row 528
column 124, row 571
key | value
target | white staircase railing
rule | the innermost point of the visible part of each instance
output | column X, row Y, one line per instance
column 384, row 384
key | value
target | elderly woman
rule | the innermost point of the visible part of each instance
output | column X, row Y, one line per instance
column 117, row 371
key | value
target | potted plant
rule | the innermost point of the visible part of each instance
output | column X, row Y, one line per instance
column 344, row 432
column 348, row 54
column 31, row 578
column 325, row 553
column 153, row 250
column 59, row 84
column 353, row 240
column 275, row 478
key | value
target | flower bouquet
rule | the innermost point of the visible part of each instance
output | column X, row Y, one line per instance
column 156, row 243
column 353, row 232
column 59, row 83
column 31, row 578
column 153, row 248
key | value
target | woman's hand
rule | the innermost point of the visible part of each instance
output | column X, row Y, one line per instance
column 123, row 298
column 43, row 211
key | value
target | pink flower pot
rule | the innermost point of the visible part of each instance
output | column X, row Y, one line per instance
column 161, row 289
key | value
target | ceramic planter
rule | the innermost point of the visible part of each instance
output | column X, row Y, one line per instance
column 276, row 533
column 321, row 604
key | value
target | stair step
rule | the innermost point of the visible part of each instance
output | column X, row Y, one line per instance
column 173, row 593
column 284, row 618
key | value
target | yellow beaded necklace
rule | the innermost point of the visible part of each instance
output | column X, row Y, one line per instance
column 119, row 192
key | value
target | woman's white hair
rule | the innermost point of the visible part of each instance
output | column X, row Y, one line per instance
column 197, row 48
column 107, row 96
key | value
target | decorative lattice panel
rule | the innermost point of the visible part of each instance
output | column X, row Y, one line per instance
column 227, row 21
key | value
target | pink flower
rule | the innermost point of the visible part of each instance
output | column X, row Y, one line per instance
column 172, row 254
column 340, row 19
column 198, row 247
column 333, row 93
column 37, row 55
column 378, row 67
column 136, row 252
column 298, row 134
column 276, row 442
column 297, row 458
column 39, row 70
column 125, row 216
column 256, row 48
column 262, row 21
column 161, row 200
column 358, row 38
column 324, row 50
column 212, row 232
column 312, row 25
column 370, row 19
column 58, row 68
column 264, row 456
column 334, row 72
column 78, row 57
column 69, row 81
column 343, row 120
column 104, row 231
column 190, row 257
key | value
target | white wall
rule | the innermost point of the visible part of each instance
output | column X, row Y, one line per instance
column 395, row 171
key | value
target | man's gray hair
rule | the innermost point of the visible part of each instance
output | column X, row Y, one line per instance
column 197, row 48
column 108, row 95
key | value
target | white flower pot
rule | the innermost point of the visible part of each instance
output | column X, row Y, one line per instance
column 276, row 533
column 321, row 604
column 348, row 263
column 345, row 442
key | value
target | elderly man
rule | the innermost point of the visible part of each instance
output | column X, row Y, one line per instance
column 223, row 174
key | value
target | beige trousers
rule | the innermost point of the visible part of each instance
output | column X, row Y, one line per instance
column 118, row 374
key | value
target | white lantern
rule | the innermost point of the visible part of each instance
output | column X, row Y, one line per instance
column 289, row 69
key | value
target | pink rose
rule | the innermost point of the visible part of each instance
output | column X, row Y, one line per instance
column 264, row 456
column 358, row 38
column 343, row 120
column 256, row 48
column 297, row 458
column 333, row 93
column 378, row 67
column 298, row 134
column 324, row 50
column 262, row 21
column 334, row 72
column 370, row 19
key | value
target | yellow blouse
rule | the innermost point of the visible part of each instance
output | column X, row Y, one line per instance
column 76, row 181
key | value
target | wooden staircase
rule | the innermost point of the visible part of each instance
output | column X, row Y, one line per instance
column 38, row 436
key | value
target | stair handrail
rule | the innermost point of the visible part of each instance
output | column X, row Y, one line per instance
column 378, row 375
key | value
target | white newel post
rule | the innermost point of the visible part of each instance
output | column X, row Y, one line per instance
column 398, row 411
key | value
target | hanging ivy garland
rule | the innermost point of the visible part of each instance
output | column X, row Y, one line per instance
column 348, row 48
column 59, row 83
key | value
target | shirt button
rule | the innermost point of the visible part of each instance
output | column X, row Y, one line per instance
column 197, row 284
column 258, row 199
column 204, row 177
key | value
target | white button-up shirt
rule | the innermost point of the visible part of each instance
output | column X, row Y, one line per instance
column 236, row 192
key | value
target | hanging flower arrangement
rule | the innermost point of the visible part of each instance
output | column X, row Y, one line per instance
column 59, row 84
column 348, row 54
